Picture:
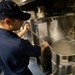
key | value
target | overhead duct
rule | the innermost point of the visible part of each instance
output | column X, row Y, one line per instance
column 52, row 7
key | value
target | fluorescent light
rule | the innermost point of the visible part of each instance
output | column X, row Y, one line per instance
column 24, row 0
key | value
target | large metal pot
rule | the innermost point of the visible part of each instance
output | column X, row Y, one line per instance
column 63, row 57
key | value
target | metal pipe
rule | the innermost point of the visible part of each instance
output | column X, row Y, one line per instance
column 36, row 35
column 42, row 41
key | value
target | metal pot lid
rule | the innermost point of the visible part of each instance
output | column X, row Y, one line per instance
column 64, row 47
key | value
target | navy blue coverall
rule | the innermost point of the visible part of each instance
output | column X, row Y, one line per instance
column 15, row 53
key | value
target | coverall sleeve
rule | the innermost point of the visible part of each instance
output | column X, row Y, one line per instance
column 27, row 49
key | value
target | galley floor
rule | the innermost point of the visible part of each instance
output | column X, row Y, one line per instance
column 35, row 69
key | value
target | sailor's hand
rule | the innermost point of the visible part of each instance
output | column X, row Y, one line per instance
column 26, row 27
column 44, row 45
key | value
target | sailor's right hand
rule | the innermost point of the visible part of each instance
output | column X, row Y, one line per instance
column 44, row 45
